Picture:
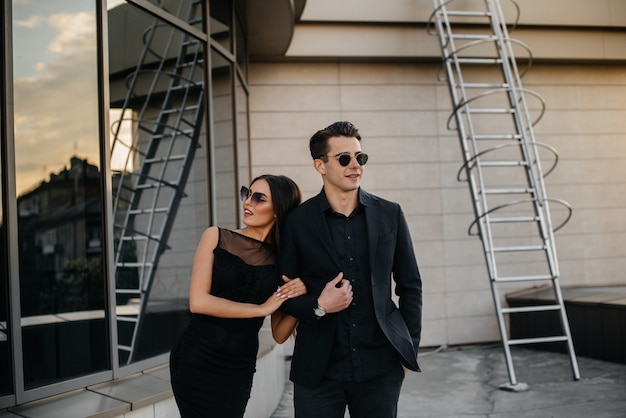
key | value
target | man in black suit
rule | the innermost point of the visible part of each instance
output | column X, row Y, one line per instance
column 353, row 344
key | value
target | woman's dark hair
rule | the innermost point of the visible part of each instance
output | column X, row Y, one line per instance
column 286, row 195
column 318, row 144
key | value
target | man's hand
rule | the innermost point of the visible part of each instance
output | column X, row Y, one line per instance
column 337, row 295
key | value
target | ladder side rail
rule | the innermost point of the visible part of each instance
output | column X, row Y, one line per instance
column 530, row 150
column 149, row 37
column 182, row 175
column 478, row 198
column 157, row 128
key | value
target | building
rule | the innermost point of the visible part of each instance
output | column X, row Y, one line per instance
column 164, row 108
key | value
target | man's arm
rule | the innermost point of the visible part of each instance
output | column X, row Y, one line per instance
column 408, row 281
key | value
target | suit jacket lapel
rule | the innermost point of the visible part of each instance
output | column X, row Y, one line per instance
column 372, row 213
column 319, row 218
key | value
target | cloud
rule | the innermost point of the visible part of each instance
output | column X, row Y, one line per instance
column 31, row 22
column 76, row 33
column 56, row 109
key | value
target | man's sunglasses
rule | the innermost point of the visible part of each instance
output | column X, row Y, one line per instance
column 255, row 198
column 344, row 158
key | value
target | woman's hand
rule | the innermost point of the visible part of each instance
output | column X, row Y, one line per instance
column 292, row 288
column 271, row 304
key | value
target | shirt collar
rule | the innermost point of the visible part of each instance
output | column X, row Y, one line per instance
column 325, row 206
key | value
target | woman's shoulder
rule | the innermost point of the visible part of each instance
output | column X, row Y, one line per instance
column 210, row 237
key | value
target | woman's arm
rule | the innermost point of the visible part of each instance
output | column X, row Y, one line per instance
column 200, row 299
column 283, row 326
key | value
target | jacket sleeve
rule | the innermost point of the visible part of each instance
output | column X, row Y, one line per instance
column 408, row 280
column 290, row 265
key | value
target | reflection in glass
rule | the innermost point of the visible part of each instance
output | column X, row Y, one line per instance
column 224, row 140
column 6, row 372
column 188, row 10
column 158, row 157
column 221, row 22
column 243, row 140
column 58, row 184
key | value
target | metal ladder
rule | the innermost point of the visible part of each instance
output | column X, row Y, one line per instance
column 164, row 103
column 494, row 122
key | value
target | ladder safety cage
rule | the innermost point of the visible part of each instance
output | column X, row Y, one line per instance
column 164, row 105
column 502, row 159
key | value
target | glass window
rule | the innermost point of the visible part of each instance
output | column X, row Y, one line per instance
column 226, row 212
column 243, row 139
column 159, row 167
column 221, row 22
column 58, row 185
column 6, row 371
column 188, row 10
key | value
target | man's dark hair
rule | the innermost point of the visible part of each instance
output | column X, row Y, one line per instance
column 318, row 144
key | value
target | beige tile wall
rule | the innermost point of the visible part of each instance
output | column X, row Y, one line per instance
column 401, row 111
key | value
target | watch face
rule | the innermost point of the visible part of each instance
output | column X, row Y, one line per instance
column 319, row 311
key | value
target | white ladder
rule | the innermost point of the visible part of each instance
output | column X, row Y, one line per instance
column 502, row 161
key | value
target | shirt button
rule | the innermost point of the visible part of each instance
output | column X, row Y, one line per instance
column 349, row 237
column 351, row 259
column 354, row 325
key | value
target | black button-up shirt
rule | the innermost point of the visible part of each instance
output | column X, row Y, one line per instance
column 361, row 351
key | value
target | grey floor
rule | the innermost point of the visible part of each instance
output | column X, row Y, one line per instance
column 465, row 382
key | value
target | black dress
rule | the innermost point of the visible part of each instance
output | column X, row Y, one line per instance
column 213, row 363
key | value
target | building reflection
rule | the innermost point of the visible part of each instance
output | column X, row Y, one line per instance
column 60, row 226
column 62, row 279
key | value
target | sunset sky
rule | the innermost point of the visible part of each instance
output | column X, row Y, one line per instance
column 55, row 78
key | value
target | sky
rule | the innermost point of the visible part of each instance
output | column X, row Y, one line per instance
column 55, row 79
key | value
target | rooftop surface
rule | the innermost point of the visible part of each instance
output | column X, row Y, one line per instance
column 465, row 382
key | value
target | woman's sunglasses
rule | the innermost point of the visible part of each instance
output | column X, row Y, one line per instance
column 344, row 158
column 255, row 198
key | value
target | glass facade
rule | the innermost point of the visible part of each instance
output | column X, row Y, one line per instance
column 6, row 372
column 156, row 130
column 59, row 193
column 159, row 174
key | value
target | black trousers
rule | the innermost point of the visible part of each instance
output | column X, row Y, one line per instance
column 376, row 398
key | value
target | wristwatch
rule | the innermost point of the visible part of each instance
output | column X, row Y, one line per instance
column 319, row 311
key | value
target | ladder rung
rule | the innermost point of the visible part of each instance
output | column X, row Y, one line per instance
column 134, row 238
column 124, row 347
column 514, row 219
column 179, row 110
column 186, row 86
column 471, row 36
column 155, row 185
column 467, row 13
column 164, row 159
column 537, row 340
column 502, row 163
column 184, row 132
column 536, row 308
column 133, row 264
column 147, row 211
column 519, row 248
column 496, row 136
column 489, row 111
column 506, row 191
column 482, row 85
column 524, row 278
column 478, row 60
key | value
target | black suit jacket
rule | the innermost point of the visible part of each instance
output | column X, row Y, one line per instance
column 308, row 252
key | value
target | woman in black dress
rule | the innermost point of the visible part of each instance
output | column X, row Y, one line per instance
column 233, row 287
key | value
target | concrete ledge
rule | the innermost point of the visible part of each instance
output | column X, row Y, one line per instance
column 150, row 392
column 596, row 315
